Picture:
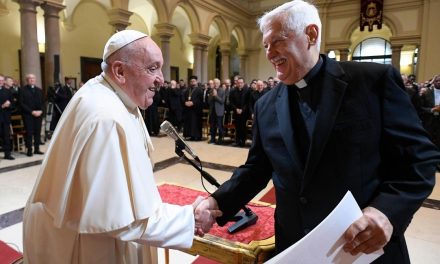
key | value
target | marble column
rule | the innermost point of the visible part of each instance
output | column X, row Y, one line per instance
column 395, row 56
column 165, row 32
column 343, row 54
column 243, row 68
column 225, row 49
column 205, row 64
column 119, row 18
column 200, row 43
column 197, row 65
column 52, row 46
column 30, row 55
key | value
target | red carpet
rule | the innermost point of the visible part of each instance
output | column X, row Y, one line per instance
column 8, row 255
column 269, row 197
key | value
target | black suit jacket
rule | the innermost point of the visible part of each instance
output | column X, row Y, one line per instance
column 367, row 139
column 5, row 113
column 30, row 101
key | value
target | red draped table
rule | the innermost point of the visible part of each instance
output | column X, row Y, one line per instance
column 253, row 244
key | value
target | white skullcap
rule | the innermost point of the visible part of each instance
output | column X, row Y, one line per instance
column 119, row 40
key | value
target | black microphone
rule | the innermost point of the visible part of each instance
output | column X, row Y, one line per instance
column 168, row 128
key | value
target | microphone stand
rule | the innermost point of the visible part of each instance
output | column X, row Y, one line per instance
column 242, row 219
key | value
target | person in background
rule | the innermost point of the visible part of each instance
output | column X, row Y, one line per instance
column 216, row 112
column 31, row 105
column 330, row 127
column 193, row 108
column 175, row 105
column 6, row 104
column 240, row 105
column 95, row 199
column 430, row 110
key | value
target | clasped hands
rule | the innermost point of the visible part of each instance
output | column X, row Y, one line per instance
column 205, row 212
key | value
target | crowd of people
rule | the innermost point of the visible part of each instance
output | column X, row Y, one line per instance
column 29, row 103
column 425, row 97
column 225, row 102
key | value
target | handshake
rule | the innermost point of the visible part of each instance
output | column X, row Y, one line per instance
column 205, row 212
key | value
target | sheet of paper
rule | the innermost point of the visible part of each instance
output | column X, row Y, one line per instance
column 324, row 243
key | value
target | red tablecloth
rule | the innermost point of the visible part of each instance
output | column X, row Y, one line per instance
column 263, row 229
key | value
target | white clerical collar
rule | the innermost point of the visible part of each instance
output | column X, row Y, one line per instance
column 126, row 100
column 301, row 84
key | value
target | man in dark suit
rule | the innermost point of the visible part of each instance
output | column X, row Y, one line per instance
column 430, row 110
column 31, row 104
column 216, row 111
column 239, row 98
column 328, row 128
column 6, row 101
column 193, row 109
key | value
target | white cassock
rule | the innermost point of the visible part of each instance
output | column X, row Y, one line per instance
column 95, row 199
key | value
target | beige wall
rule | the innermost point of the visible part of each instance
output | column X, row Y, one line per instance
column 430, row 48
column 10, row 41
column 86, row 39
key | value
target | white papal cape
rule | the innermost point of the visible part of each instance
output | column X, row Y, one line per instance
column 95, row 199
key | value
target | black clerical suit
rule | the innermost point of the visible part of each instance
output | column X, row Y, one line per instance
column 366, row 139
column 431, row 120
column 5, row 120
column 31, row 99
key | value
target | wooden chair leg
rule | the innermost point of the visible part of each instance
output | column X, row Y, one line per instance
column 167, row 256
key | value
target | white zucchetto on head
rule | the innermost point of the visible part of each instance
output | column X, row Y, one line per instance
column 119, row 40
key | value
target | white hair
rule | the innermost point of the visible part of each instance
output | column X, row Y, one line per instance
column 296, row 16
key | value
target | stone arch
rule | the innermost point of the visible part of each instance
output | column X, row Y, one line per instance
column 146, row 11
column 70, row 22
column 190, row 12
column 162, row 14
column 221, row 24
column 241, row 37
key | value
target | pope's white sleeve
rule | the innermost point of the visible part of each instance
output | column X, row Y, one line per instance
column 172, row 227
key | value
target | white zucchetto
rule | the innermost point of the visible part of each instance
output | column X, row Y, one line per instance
column 119, row 40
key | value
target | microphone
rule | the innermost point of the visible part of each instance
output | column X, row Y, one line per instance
column 168, row 128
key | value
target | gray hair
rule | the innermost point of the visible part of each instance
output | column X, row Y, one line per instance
column 296, row 15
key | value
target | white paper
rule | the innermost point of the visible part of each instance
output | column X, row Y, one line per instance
column 324, row 243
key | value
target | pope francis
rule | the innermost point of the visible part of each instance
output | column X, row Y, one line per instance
column 95, row 198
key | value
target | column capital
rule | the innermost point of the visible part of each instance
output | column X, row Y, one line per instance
column 52, row 8
column 396, row 47
column 119, row 18
column 243, row 53
column 198, row 39
column 225, row 47
column 165, row 31
column 28, row 5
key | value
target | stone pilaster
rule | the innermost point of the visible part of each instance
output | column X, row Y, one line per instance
column 200, row 42
column 165, row 32
column 30, row 56
column 225, row 50
column 395, row 55
column 119, row 18
column 343, row 54
column 52, row 45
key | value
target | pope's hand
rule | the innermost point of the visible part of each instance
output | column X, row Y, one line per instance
column 205, row 214
column 369, row 233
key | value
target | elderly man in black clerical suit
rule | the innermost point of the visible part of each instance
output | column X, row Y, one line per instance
column 31, row 104
column 327, row 128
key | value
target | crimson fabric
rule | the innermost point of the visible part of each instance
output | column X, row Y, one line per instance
column 269, row 197
column 203, row 260
column 8, row 255
column 263, row 229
